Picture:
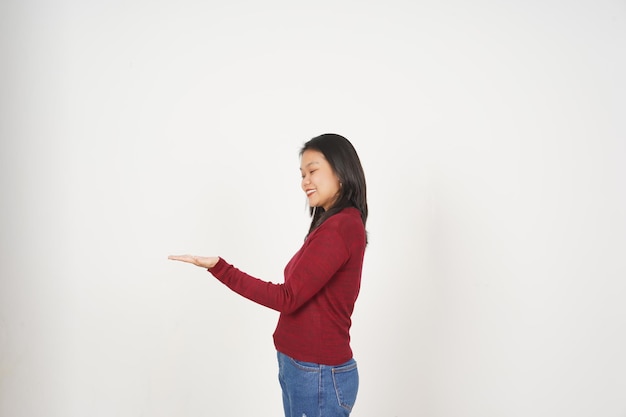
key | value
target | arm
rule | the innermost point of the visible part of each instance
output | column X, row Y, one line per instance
column 320, row 258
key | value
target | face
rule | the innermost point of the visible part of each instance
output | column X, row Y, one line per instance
column 319, row 182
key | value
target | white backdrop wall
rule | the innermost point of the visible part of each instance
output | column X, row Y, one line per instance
column 493, row 138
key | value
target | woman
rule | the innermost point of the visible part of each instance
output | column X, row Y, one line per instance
column 317, row 372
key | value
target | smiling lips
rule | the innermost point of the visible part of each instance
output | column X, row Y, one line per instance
column 309, row 192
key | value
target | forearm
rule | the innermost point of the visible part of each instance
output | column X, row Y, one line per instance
column 268, row 294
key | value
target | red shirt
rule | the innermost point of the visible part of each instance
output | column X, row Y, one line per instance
column 317, row 298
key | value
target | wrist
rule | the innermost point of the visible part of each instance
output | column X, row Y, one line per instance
column 212, row 262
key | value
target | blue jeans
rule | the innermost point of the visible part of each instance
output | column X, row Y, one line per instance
column 314, row 390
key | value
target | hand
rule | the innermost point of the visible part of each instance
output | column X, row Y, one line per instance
column 201, row 261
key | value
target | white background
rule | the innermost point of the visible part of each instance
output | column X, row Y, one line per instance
column 493, row 137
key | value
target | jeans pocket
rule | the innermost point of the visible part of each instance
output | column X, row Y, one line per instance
column 346, row 381
column 305, row 366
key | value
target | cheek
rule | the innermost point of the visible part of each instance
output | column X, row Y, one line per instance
column 331, row 188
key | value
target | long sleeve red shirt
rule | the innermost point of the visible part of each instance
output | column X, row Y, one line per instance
column 316, row 300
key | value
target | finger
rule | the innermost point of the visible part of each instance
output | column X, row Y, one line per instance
column 183, row 258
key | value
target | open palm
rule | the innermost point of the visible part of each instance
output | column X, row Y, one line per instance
column 201, row 261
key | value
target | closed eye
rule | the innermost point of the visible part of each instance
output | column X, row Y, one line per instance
column 310, row 173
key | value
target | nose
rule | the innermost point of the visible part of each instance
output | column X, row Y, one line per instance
column 306, row 182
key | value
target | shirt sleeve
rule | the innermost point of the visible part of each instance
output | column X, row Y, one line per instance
column 322, row 256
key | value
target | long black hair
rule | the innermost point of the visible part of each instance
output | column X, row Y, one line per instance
column 346, row 165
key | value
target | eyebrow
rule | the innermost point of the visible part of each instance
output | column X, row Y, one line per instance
column 310, row 163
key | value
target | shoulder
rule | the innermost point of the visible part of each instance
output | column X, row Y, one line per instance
column 347, row 220
column 344, row 229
